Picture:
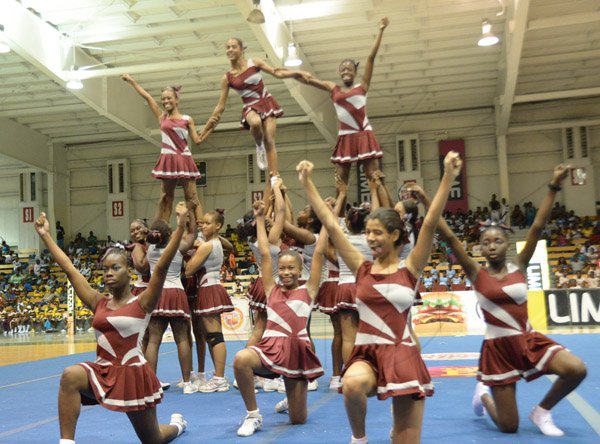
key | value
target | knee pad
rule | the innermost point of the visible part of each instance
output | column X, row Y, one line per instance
column 214, row 338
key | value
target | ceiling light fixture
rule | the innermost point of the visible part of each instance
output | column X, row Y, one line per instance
column 74, row 79
column 256, row 16
column 292, row 58
column 4, row 46
column 487, row 37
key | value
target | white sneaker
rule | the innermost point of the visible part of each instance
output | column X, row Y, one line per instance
column 189, row 388
column 258, row 382
column 281, row 406
column 480, row 390
column 178, row 421
column 543, row 419
column 214, row 385
column 335, row 383
column 165, row 386
column 250, row 425
column 272, row 385
column 313, row 385
column 261, row 156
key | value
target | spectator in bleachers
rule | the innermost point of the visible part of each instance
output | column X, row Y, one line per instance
column 60, row 235
column 578, row 261
column 591, row 280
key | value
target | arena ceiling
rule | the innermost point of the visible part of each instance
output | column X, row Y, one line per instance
column 429, row 60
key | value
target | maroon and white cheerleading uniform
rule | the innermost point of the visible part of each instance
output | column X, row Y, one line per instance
column 346, row 291
column 120, row 377
column 256, row 292
column 327, row 295
column 175, row 161
column 285, row 346
column 356, row 141
column 511, row 349
column 173, row 300
column 212, row 296
column 383, row 339
column 249, row 85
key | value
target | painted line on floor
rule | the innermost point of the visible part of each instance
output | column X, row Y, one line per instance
column 589, row 413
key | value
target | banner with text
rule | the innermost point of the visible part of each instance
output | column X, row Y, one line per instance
column 457, row 200
column 573, row 307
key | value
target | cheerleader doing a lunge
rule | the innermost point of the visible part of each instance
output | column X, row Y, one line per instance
column 385, row 360
column 285, row 347
column 512, row 350
column 119, row 379
column 260, row 109
column 175, row 163
column 356, row 141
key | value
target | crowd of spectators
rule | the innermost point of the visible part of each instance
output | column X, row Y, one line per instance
column 33, row 293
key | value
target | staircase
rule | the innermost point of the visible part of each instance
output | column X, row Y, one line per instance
column 518, row 235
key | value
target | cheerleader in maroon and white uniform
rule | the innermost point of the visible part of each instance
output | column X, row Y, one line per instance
column 175, row 164
column 138, row 231
column 120, row 379
column 212, row 298
column 172, row 308
column 260, row 108
column 385, row 361
column 356, row 141
column 256, row 292
column 512, row 350
column 285, row 347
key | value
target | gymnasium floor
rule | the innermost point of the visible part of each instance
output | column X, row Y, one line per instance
column 28, row 398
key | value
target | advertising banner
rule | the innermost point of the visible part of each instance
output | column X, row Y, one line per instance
column 573, row 307
column 457, row 200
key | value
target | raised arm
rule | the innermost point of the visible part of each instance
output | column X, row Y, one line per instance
column 316, row 266
column 149, row 297
column 263, row 246
column 279, row 219
column 303, row 235
column 190, row 235
column 145, row 94
column 213, row 120
column 366, row 81
column 86, row 293
column 542, row 215
column 417, row 259
column 347, row 251
column 470, row 266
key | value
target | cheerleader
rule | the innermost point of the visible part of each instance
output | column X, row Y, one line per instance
column 175, row 163
column 356, row 141
column 260, row 109
column 172, row 308
column 285, row 347
column 120, row 378
column 512, row 350
column 138, row 230
column 385, row 360
column 212, row 299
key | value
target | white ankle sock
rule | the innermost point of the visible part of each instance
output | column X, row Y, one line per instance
column 363, row 440
column 66, row 441
column 253, row 413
